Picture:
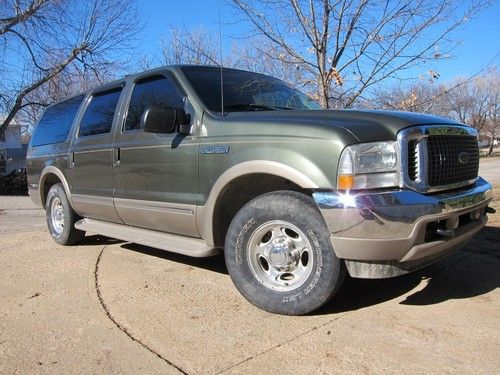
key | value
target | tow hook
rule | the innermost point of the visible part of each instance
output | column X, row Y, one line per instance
column 490, row 210
column 449, row 227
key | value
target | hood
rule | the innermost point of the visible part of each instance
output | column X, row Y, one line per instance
column 366, row 126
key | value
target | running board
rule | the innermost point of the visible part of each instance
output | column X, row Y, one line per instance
column 193, row 247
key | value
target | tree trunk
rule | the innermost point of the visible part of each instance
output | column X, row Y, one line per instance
column 492, row 144
column 323, row 93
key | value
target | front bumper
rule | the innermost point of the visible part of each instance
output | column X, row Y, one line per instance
column 388, row 233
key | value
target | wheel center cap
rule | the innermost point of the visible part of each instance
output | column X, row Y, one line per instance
column 278, row 255
column 281, row 253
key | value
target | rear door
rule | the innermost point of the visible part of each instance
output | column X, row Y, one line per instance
column 91, row 156
column 156, row 175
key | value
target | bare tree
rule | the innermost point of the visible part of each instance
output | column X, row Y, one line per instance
column 349, row 46
column 470, row 101
column 473, row 101
column 69, row 82
column 196, row 46
column 476, row 104
column 42, row 39
column 493, row 126
column 421, row 96
column 202, row 47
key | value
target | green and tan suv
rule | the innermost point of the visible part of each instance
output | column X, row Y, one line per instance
column 295, row 196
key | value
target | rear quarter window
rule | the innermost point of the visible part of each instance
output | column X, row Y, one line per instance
column 55, row 124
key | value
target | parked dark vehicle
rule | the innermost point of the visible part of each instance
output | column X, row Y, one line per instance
column 296, row 196
column 15, row 183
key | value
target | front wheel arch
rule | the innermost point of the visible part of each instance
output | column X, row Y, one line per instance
column 238, row 193
column 206, row 214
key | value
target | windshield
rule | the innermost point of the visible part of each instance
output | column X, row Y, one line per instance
column 245, row 91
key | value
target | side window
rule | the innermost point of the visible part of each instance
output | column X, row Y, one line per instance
column 56, row 122
column 98, row 117
column 152, row 91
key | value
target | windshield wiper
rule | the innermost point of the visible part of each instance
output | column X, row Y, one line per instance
column 249, row 106
column 253, row 107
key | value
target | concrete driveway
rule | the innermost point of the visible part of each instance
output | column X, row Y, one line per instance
column 111, row 307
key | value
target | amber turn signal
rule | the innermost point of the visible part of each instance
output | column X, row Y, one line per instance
column 345, row 182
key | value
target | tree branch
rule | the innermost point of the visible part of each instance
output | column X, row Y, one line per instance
column 6, row 24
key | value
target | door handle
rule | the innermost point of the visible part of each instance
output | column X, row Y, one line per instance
column 72, row 160
column 117, row 158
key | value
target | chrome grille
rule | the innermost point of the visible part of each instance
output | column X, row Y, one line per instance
column 436, row 158
column 451, row 159
column 413, row 160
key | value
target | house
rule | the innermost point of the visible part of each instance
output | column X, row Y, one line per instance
column 12, row 151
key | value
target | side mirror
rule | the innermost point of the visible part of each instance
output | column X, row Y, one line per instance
column 163, row 120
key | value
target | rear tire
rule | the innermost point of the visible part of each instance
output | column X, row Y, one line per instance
column 279, row 256
column 61, row 217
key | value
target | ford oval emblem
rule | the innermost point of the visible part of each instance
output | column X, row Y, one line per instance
column 463, row 158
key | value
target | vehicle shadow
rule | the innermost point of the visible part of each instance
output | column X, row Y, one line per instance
column 97, row 239
column 214, row 264
column 470, row 272
column 477, row 274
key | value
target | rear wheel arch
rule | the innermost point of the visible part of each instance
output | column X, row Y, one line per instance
column 48, row 178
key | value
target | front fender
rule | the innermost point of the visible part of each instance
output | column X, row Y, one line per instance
column 205, row 214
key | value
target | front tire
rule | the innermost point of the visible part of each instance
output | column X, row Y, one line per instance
column 279, row 256
column 61, row 217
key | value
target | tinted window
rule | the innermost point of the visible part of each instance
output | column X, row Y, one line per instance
column 245, row 91
column 153, row 91
column 56, row 122
column 98, row 116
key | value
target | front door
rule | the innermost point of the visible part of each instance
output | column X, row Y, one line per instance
column 156, row 175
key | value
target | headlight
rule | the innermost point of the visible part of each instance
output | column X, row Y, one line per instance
column 368, row 166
